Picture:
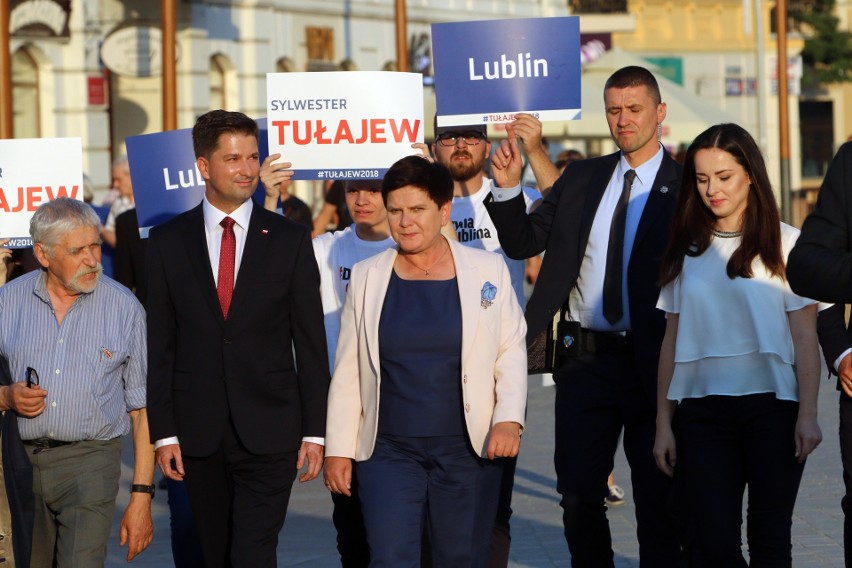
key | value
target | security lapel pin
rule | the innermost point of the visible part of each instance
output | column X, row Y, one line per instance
column 664, row 189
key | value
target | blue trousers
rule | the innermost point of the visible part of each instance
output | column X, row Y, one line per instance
column 405, row 478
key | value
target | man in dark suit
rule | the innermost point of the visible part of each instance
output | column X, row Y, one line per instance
column 233, row 294
column 129, row 265
column 820, row 267
column 603, row 228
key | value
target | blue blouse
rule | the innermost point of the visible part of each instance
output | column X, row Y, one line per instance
column 420, row 336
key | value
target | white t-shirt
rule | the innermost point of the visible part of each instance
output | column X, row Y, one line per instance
column 733, row 335
column 336, row 254
column 475, row 228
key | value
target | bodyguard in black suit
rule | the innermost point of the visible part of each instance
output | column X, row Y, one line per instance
column 585, row 226
column 820, row 267
column 233, row 292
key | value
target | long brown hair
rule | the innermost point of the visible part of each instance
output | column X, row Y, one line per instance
column 692, row 225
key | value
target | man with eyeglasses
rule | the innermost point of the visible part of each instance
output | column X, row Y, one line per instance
column 75, row 343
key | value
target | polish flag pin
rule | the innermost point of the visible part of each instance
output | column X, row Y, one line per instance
column 264, row 232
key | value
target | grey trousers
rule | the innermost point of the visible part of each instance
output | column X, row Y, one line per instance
column 75, row 488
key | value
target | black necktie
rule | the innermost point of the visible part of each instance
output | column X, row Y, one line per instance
column 612, row 308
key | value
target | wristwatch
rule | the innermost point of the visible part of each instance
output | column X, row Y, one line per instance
column 149, row 489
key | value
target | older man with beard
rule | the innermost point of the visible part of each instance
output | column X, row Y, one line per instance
column 75, row 342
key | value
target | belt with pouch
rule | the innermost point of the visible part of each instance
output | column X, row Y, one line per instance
column 605, row 342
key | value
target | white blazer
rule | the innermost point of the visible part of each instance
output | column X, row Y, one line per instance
column 493, row 352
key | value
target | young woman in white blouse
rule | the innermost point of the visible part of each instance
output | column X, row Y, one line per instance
column 739, row 359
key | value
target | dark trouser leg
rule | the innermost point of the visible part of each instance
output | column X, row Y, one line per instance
column 463, row 494
column 710, row 460
column 773, row 475
column 186, row 548
column 501, row 539
column 244, row 496
column 655, row 527
column 587, row 426
column 846, row 458
column 392, row 488
column 351, row 538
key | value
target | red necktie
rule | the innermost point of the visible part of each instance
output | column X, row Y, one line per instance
column 227, row 262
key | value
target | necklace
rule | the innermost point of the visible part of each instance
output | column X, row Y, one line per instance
column 727, row 234
column 431, row 266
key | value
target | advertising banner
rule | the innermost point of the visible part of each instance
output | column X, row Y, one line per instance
column 343, row 124
column 34, row 171
column 486, row 72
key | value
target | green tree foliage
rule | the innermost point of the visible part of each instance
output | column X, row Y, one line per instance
column 828, row 50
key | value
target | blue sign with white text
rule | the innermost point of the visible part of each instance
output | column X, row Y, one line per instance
column 487, row 71
column 166, row 181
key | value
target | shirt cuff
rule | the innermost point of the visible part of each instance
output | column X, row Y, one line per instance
column 319, row 441
column 505, row 193
column 839, row 359
column 165, row 442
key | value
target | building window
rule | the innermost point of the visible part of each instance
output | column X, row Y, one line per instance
column 320, row 42
column 217, row 83
column 816, row 124
column 25, row 96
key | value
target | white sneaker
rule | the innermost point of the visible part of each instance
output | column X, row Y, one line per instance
column 616, row 496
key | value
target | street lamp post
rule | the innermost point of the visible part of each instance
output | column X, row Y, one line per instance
column 401, row 37
column 783, row 110
column 167, row 22
column 6, row 124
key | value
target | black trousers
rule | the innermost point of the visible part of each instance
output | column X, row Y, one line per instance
column 351, row 537
column 596, row 397
column 725, row 443
column 846, row 457
column 239, row 501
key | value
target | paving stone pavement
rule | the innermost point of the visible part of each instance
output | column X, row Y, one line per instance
column 308, row 537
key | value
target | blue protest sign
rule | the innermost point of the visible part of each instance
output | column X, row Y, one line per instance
column 486, row 72
column 166, row 181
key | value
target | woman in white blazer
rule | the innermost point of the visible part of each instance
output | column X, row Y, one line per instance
column 429, row 383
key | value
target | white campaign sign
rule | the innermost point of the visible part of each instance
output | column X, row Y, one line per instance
column 33, row 171
column 344, row 124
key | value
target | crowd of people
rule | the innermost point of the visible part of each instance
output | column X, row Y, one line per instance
column 389, row 356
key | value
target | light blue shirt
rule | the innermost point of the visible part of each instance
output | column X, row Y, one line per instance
column 586, row 299
column 93, row 364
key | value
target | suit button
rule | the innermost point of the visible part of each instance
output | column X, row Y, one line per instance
column 467, row 407
column 227, row 341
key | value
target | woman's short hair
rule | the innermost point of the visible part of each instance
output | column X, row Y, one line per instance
column 59, row 217
column 431, row 177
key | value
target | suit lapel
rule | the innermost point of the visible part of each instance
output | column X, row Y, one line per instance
column 251, row 264
column 597, row 183
column 199, row 259
column 375, row 289
column 664, row 190
column 470, row 289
